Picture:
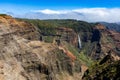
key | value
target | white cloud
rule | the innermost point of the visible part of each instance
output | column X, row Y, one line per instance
column 86, row 14
column 48, row 11
column 93, row 11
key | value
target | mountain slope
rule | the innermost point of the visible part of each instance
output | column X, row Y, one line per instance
column 96, row 39
column 106, row 69
column 53, row 49
column 112, row 26
column 24, row 57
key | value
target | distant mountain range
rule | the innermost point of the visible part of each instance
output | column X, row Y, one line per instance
column 112, row 26
column 84, row 14
column 49, row 14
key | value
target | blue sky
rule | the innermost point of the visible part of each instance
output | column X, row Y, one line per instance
column 16, row 5
column 103, row 10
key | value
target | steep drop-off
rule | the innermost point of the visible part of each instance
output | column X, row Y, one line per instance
column 96, row 40
column 55, row 49
column 24, row 57
column 106, row 69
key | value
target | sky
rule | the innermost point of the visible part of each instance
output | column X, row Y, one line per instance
column 88, row 10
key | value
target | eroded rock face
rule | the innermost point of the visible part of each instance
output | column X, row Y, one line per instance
column 10, row 26
column 68, row 35
column 106, row 69
column 104, row 42
column 24, row 57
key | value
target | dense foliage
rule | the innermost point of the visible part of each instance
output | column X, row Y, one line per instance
column 48, row 30
column 106, row 69
column 48, row 27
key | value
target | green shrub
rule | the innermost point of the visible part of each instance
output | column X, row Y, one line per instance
column 3, row 14
column 48, row 39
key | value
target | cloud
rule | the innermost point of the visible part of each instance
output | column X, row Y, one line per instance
column 93, row 11
column 101, row 14
column 86, row 14
column 48, row 11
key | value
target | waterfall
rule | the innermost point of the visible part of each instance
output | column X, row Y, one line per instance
column 79, row 42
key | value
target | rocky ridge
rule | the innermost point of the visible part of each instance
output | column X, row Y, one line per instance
column 24, row 57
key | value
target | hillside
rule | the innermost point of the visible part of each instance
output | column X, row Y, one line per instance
column 24, row 57
column 96, row 39
column 94, row 35
column 106, row 69
column 33, row 49
column 112, row 26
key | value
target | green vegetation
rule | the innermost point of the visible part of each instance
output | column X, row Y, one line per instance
column 71, row 48
column 85, row 59
column 108, row 70
column 48, row 27
column 48, row 30
column 3, row 14
column 82, row 56
column 48, row 39
column 112, row 26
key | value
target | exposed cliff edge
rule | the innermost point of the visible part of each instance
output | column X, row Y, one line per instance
column 96, row 40
column 55, row 49
column 10, row 26
column 24, row 57
column 106, row 69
